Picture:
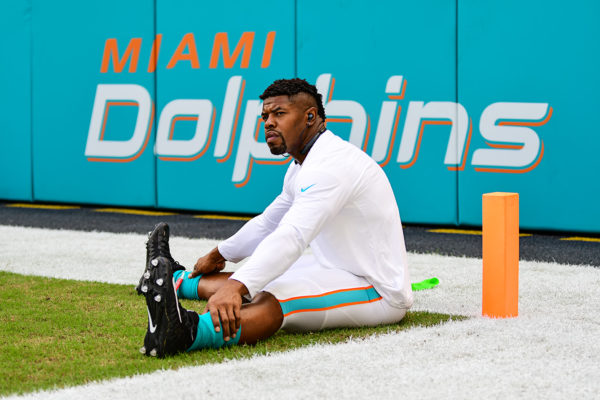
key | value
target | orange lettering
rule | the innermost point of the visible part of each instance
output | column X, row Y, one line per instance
column 111, row 49
column 266, row 60
column 192, row 56
column 221, row 43
column 154, row 53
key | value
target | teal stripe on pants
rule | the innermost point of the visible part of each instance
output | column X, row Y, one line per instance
column 328, row 301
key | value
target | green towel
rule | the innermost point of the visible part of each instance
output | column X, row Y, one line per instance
column 426, row 284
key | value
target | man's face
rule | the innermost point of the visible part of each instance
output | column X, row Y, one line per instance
column 284, row 123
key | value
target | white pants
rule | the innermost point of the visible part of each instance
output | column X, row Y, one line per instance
column 313, row 297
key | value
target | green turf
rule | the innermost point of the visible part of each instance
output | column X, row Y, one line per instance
column 56, row 333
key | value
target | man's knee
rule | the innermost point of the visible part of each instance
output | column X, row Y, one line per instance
column 261, row 318
column 271, row 306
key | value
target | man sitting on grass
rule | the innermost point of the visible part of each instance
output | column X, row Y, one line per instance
column 336, row 199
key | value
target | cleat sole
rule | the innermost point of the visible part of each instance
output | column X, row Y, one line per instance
column 169, row 331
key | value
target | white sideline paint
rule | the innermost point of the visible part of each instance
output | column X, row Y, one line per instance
column 551, row 350
column 91, row 256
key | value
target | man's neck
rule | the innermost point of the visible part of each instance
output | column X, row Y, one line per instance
column 308, row 146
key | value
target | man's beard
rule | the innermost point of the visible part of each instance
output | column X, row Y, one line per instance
column 279, row 150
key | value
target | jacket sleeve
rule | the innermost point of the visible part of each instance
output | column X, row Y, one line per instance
column 318, row 198
column 243, row 243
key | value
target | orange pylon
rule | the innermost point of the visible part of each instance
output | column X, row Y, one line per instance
column 500, row 287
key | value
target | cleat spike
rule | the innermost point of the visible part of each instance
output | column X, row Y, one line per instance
column 143, row 350
column 153, row 352
column 145, row 289
column 157, row 298
column 154, row 262
column 159, row 281
column 147, row 275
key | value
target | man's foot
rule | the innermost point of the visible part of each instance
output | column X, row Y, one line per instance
column 163, row 245
column 171, row 328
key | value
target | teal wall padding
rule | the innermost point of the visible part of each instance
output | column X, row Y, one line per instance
column 153, row 103
column 15, row 101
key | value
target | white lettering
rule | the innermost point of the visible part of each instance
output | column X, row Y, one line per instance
column 501, row 135
column 417, row 112
column 200, row 110
column 230, row 103
column 344, row 108
column 386, row 120
column 506, row 127
column 118, row 96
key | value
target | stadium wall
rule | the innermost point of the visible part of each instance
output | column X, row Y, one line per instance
column 155, row 104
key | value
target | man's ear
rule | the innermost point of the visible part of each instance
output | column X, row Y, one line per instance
column 311, row 115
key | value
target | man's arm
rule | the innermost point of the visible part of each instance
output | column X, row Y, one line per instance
column 243, row 243
column 319, row 198
column 225, row 304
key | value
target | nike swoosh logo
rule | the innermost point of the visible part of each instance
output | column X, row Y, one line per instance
column 176, row 298
column 151, row 326
column 306, row 188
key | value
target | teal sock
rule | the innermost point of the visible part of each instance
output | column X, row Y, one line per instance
column 206, row 337
column 189, row 287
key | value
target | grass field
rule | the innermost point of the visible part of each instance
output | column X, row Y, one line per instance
column 57, row 332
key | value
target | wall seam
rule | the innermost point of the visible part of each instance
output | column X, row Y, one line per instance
column 155, row 79
column 31, row 152
column 295, row 38
column 457, row 102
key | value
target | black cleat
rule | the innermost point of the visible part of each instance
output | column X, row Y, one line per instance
column 163, row 245
column 152, row 252
column 171, row 328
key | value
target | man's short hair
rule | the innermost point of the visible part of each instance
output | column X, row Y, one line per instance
column 291, row 87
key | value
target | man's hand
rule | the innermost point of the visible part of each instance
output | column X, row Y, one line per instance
column 211, row 262
column 226, row 305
